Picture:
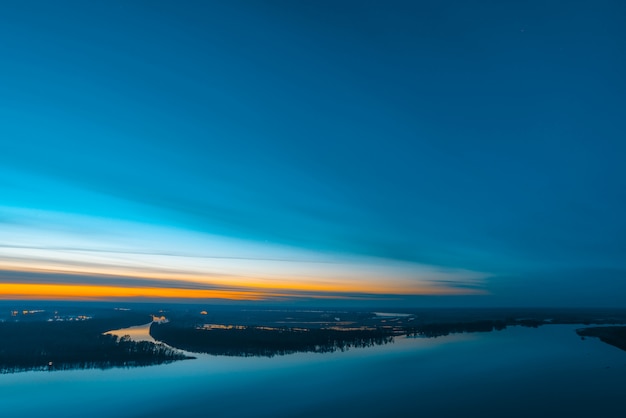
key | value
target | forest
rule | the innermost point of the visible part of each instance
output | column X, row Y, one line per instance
column 263, row 341
column 60, row 345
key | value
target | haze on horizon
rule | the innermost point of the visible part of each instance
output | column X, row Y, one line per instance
column 398, row 153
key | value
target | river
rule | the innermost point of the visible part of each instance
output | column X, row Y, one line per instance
column 517, row 372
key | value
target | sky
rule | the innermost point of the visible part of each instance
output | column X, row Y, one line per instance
column 377, row 152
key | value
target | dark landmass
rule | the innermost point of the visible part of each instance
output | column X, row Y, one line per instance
column 616, row 336
column 263, row 341
column 77, row 343
column 45, row 336
column 270, row 332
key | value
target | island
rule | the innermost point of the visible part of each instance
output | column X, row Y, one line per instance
column 615, row 335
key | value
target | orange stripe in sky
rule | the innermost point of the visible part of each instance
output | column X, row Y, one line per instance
column 78, row 292
column 259, row 286
column 33, row 291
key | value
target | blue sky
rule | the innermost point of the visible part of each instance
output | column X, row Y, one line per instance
column 421, row 145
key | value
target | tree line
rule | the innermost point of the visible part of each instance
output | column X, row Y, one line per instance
column 259, row 341
column 78, row 344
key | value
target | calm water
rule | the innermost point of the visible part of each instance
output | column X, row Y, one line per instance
column 518, row 372
column 136, row 333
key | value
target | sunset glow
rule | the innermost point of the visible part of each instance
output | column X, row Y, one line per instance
column 308, row 152
column 48, row 255
column 92, row 292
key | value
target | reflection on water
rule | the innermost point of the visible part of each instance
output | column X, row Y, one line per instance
column 517, row 372
column 137, row 333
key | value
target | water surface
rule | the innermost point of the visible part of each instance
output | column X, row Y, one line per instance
column 136, row 333
column 517, row 372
